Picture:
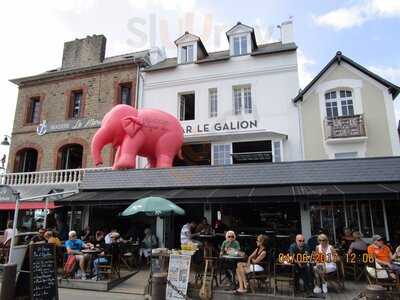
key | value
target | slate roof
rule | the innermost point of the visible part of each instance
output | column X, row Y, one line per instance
column 26, row 191
column 361, row 170
column 264, row 49
column 128, row 58
column 338, row 58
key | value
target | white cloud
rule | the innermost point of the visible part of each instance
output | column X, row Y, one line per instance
column 356, row 15
column 305, row 75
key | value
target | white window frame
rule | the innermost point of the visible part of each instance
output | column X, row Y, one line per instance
column 243, row 108
column 243, row 44
column 213, row 102
column 274, row 150
column 338, row 101
column 180, row 108
column 225, row 159
column 185, row 57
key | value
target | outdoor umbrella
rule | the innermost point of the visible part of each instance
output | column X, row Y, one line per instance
column 153, row 206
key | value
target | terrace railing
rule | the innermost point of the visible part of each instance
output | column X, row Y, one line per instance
column 46, row 177
column 345, row 127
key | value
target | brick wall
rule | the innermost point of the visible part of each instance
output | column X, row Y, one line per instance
column 99, row 93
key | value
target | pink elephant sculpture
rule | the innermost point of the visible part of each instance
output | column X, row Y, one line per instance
column 150, row 133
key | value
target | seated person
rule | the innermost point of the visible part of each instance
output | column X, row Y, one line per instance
column 301, row 267
column 358, row 245
column 99, row 239
column 253, row 263
column 40, row 237
column 346, row 239
column 383, row 256
column 74, row 247
column 86, row 235
column 108, row 251
column 230, row 246
column 204, row 227
column 326, row 256
column 8, row 233
column 187, row 235
column 51, row 239
column 149, row 242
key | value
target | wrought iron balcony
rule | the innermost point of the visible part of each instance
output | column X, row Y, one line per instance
column 45, row 177
column 345, row 127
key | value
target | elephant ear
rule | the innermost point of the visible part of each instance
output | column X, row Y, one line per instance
column 131, row 125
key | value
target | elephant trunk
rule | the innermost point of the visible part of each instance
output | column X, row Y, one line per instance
column 100, row 139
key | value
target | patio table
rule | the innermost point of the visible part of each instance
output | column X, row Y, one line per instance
column 228, row 265
column 93, row 253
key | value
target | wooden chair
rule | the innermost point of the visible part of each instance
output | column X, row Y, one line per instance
column 337, row 276
column 374, row 271
column 354, row 265
column 284, row 273
column 259, row 279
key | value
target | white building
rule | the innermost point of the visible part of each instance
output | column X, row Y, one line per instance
column 231, row 103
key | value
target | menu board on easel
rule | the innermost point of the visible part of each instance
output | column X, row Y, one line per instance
column 43, row 272
column 178, row 276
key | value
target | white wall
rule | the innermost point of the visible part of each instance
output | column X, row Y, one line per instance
column 273, row 79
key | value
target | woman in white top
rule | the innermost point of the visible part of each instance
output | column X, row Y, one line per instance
column 325, row 263
column 7, row 233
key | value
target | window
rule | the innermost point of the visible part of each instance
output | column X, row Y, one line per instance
column 33, row 113
column 195, row 155
column 70, row 157
column 187, row 54
column 277, row 151
column 240, row 45
column 125, row 93
column 345, row 155
column 186, row 107
column 242, row 98
column 345, row 101
column 75, row 104
column 222, row 154
column 213, row 102
column 26, row 160
column 250, row 152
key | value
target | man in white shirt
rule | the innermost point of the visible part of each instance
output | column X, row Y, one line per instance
column 186, row 233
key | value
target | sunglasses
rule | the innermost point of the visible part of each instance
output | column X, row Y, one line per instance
column 231, row 237
column 321, row 240
column 301, row 241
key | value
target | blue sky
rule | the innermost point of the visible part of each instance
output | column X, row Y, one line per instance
column 365, row 30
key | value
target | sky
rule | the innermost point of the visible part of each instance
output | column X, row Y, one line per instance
column 33, row 33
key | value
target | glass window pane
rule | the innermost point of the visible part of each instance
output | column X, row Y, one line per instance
column 247, row 100
column 333, row 95
column 237, row 100
column 348, row 93
column 365, row 218
column 236, row 46
column 342, row 94
column 277, row 151
column 243, row 44
column 327, row 96
column 377, row 217
column 190, row 53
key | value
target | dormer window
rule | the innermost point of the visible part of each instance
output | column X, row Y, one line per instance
column 187, row 54
column 240, row 45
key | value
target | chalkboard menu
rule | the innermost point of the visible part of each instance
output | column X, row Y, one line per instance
column 43, row 272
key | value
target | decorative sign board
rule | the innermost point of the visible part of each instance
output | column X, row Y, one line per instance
column 178, row 276
column 68, row 125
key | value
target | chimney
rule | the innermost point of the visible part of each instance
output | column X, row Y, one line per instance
column 156, row 55
column 84, row 52
column 287, row 32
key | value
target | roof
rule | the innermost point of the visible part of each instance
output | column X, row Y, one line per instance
column 27, row 191
column 338, row 58
column 112, row 61
column 339, row 171
column 264, row 49
column 195, row 37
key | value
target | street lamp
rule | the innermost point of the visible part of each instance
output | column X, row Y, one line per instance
column 6, row 141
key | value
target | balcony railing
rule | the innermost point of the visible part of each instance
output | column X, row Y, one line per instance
column 345, row 127
column 45, row 177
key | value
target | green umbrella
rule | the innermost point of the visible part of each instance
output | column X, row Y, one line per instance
column 153, row 206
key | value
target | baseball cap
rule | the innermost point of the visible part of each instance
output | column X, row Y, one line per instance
column 376, row 237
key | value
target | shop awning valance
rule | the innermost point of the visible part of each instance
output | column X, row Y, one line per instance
column 281, row 193
column 7, row 205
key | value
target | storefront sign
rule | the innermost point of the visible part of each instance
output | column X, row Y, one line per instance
column 178, row 276
column 226, row 126
column 73, row 124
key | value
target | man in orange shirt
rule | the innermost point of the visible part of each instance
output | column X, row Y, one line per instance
column 382, row 253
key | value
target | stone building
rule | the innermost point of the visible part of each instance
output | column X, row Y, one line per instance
column 58, row 111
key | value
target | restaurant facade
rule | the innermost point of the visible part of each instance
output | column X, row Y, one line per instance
column 258, row 155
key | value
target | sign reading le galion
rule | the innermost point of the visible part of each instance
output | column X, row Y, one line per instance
column 225, row 126
column 67, row 125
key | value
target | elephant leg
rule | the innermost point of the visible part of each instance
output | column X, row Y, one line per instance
column 128, row 152
column 164, row 161
column 116, row 157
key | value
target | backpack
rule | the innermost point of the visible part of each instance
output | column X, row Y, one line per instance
column 70, row 267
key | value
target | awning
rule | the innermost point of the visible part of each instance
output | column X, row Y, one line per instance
column 282, row 193
column 27, row 205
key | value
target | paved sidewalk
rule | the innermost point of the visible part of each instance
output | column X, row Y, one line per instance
column 68, row 294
